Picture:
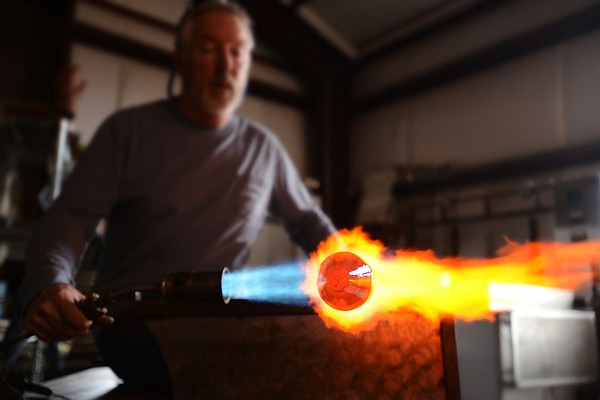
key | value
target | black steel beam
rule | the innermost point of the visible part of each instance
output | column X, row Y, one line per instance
column 278, row 95
column 510, row 169
column 280, row 28
column 123, row 46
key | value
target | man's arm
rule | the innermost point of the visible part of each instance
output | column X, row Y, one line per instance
column 55, row 249
column 306, row 223
column 52, row 258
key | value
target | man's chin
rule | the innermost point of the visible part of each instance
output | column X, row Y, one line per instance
column 222, row 106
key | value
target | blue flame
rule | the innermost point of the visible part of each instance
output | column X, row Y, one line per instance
column 269, row 284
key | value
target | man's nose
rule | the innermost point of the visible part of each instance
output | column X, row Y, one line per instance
column 226, row 61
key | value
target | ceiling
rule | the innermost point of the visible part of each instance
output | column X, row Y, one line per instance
column 358, row 28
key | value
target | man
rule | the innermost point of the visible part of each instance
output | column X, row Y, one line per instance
column 184, row 184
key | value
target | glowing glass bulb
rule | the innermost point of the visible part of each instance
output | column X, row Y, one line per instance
column 344, row 281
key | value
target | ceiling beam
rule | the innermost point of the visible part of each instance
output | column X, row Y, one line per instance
column 436, row 28
column 280, row 28
column 529, row 42
column 519, row 167
column 296, row 4
column 133, row 14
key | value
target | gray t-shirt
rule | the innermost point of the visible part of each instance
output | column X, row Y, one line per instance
column 176, row 196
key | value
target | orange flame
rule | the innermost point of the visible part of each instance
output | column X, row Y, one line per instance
column 436, row 288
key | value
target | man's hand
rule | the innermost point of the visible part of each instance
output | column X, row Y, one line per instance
column 53, row 314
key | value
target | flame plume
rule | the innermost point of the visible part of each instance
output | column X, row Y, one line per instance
column 434, row 287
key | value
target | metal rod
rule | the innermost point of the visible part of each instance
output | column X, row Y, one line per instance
column 61, row 149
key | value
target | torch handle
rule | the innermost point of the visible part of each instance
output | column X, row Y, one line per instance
column 175, row 286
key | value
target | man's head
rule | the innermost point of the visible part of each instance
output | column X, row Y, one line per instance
column 213, row 54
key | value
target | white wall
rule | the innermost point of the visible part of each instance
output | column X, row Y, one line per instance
column 545, row 100
column 112, row 82
column 581, row 91
column 510, row 19
column 167, row 11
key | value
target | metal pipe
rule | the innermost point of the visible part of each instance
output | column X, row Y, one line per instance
column 61, row 149
column 196, row 286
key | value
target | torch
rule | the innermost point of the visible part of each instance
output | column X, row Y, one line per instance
column 175, row 286
column 344, row 283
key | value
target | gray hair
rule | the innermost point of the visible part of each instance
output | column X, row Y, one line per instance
column 207, row 6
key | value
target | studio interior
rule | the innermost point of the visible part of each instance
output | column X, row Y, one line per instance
column 453, row 144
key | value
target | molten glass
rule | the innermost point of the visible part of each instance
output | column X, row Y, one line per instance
column 344, row 281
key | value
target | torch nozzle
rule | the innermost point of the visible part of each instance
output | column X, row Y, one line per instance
column 345, row 281
column 196, row 286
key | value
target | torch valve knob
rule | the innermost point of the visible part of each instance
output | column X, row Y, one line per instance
column 93, row 306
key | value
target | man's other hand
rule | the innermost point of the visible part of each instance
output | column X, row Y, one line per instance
column 53, row 314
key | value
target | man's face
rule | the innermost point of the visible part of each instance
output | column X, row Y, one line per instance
column 214, row 61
